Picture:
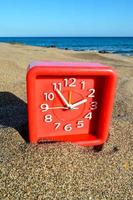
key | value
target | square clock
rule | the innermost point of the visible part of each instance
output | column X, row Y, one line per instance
column 70, row 102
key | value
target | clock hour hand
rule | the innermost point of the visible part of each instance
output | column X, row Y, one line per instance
column 78, row 103
column 62, row 98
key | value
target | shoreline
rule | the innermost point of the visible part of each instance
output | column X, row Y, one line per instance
column 104, row 58
column 102, row 51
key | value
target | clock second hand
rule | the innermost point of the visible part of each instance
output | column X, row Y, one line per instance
column 58, row 107
column 61, row 107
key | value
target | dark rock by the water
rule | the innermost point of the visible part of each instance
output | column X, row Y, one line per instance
column 79, row 49
column 53, row 46
column 103, row 51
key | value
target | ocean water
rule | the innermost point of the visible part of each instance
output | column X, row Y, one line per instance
column 118, row 45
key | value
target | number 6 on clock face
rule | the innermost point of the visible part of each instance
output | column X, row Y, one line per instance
column 70, row 102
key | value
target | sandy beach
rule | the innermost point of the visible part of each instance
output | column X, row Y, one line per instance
column 62, row 170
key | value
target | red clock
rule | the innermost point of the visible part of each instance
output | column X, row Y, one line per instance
column 70, row 102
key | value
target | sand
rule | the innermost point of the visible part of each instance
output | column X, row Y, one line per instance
column 62, row 170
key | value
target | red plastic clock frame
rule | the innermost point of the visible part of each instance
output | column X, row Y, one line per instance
column 60, row 69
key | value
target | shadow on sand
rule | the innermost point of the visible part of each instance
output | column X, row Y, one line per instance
column 13, row 113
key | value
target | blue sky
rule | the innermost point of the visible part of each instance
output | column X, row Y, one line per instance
column 66, row 18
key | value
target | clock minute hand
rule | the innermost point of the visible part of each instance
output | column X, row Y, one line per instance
column 63, row 98
column 78, row 103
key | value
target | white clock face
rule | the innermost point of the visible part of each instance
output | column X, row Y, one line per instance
column 67, row 105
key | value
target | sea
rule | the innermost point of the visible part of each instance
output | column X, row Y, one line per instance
column 116, row 45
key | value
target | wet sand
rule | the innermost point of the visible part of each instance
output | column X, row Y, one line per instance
column 62, row 170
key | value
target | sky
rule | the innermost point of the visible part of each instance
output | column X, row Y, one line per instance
column 66, row 18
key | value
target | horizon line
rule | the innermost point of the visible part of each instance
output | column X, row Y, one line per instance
column 60, row 36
